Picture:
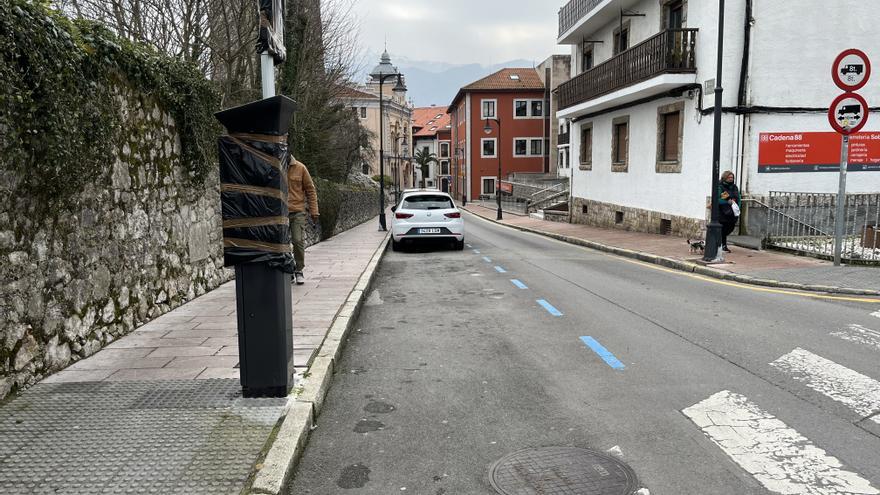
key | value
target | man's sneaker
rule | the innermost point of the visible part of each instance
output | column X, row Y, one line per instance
column 298, row 276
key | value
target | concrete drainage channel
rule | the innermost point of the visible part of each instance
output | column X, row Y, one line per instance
column 562, row 470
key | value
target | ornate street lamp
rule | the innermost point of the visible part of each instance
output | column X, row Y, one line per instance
column 380, row 74
column 488, row 130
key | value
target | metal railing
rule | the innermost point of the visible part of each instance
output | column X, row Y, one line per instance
column 670, row 51
column 564, row 138
column 804, row 223
column 574, row 11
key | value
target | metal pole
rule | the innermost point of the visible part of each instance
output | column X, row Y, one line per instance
column 267, row 73
column 713, row 230
column 382, row 224
column 499, row 149
column 840, row 221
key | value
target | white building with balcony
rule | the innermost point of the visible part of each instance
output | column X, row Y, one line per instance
column 640, row 101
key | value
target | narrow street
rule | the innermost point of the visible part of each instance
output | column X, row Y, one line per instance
column 699, row 385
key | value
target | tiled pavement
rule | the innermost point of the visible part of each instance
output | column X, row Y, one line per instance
column 760, row 264
column 160, row 410
column 198, row 340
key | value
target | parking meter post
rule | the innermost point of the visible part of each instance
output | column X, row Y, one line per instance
column 254, row 160
column 840, row 220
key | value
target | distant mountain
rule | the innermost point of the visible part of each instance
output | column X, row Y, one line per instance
column 436, row 83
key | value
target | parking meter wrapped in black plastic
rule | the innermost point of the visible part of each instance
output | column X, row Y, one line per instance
column 254, row 160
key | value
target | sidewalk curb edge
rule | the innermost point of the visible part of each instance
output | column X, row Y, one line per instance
column 285, row 450
column 687, row 266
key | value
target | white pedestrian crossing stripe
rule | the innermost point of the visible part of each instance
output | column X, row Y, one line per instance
column 857, row 391
column 859, row 335
column 780, row 458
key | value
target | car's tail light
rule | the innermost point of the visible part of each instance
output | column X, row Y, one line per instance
column 401, row 216
column 456, row 214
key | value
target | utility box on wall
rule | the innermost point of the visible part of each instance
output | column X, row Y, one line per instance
column 254, row 160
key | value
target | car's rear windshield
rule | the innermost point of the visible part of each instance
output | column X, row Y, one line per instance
column 427, row 202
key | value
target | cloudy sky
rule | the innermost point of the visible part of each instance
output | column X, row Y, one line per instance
column 485, row 32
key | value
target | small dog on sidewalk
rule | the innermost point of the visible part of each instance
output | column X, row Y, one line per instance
column 697, row 245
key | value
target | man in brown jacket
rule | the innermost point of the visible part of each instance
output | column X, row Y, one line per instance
column 300, row 188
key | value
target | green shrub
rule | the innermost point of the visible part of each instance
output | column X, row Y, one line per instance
column 388, row 181
column 329, row 203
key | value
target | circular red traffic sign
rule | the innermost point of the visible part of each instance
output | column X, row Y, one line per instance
column 851, row 70
column 849, row 113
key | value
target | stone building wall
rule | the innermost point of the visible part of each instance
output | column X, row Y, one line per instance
column 607, row 215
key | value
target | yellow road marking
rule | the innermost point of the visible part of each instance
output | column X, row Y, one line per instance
column 747, row 286
column 697, row 276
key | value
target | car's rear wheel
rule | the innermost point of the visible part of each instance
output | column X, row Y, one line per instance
column 395, row 246
column 459, row 245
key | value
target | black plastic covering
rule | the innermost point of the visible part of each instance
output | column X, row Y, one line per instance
column 271, row 37
column 253, row 176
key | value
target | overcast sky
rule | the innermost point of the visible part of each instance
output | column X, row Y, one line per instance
column 460, row 31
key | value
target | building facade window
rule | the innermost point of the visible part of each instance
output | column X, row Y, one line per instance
column 363, row 112
column 444, row 167
column 488, row 186
column 489, row 109
column 444, row 150
column 673, row 14
column 520, row 147
column 587, row 57
column 537, row 148
column 537, row 108
column 528, row 109
column 487, row 148
column 621, row 38
column 620, row 144
column 670, row 130
column 586, row 154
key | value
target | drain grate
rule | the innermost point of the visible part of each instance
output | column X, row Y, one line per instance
column 562, row 470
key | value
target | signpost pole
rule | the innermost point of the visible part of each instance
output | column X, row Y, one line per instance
column 840, row 220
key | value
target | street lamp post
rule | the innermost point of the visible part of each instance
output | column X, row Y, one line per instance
column 399, row 87
column 713, row 230
column 488, row 130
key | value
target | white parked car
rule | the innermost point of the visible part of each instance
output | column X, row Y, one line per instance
column 425, row 215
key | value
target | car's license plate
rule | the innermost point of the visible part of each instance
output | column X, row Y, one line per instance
column 429, row 231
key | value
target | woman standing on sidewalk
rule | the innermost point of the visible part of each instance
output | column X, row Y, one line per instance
column 729, row 204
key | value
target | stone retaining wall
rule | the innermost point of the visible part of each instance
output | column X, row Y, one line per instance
column 135, row 244
column 611, row 216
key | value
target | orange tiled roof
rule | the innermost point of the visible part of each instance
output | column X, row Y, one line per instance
column 510, row 79
column 526, row 78
column 428, row 121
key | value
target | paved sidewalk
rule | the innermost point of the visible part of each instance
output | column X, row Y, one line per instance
column 767, row 266
column 160, row 410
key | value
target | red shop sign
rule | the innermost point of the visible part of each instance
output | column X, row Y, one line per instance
column 816, row 152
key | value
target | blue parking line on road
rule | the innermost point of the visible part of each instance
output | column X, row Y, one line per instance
column 518, row 284
column 486, row 259
column 603, row 353
column 500, row 270
column 549, row 307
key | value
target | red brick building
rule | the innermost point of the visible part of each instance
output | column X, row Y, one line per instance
column 517, row 99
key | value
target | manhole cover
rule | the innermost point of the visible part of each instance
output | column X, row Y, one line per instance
column 562, row 470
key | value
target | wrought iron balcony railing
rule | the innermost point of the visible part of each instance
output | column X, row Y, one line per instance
column 574, row 11
column 564, row 138
column 670, row 51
